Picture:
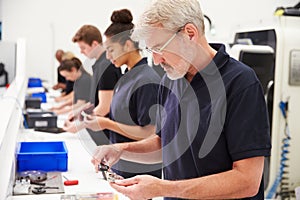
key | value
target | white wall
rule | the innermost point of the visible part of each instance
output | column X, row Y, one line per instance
column 0, row 10
column 50, row 24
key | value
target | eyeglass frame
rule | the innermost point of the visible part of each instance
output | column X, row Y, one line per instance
column 159, row 50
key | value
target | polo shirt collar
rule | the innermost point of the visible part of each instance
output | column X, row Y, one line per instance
column 143, row 61
column 219, row 60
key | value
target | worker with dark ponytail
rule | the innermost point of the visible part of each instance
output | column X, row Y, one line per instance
column 133, row 107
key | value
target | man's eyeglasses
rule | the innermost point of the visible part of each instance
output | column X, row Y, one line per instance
column 158, row 50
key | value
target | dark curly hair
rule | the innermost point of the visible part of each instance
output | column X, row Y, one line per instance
column 121, row 27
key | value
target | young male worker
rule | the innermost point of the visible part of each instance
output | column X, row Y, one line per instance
column 105, row 76
column 213, row 129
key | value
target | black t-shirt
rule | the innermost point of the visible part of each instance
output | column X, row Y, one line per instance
column 69, row 84
column 105, row 77
column 133, row 103
column 60, row 78
column 217, row 119
column 69, row 87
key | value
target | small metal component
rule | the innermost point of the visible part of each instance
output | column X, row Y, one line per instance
column 108, row 175
column 111, row 176
column 41, row 190
column 33, row 176
column 22, row 186
column 37, row 183
column 103, row 168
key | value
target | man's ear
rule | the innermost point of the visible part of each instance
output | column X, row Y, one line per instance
column 192, row 31
column 73, row 69
column 94, row 43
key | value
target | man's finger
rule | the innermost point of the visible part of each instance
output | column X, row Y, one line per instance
column 127, row 182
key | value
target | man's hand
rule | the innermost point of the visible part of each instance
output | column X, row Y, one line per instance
column 106, row 154
column 95, row 123
column 59, row 86
column 75, row 114
column 72, row 126
column 139, row 187
column 71, row 117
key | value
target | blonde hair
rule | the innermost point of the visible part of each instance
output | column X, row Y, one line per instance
column 67, row 56
column 172, row 14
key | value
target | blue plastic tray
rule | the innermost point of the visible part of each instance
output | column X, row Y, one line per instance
column 41, row 95
column 34, row 82
column 45, row 156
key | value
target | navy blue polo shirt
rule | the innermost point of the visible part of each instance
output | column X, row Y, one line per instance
column 218, row 118
column 105, row 77
column 133, row 103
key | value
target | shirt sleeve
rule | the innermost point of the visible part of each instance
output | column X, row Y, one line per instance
column 109, row 78
column 247, row 125
column 143, row 103
column 82, row 88
column 69, row 87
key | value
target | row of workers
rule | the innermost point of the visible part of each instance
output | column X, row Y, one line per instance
column 204, row 123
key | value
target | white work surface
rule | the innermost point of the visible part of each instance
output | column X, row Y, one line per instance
column 2, row 90
column 80, row 147
column 79, row 166
column 79, row 159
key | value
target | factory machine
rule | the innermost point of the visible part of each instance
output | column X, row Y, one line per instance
column 274, row 54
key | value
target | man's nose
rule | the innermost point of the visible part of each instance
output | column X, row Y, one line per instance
column 157, row 58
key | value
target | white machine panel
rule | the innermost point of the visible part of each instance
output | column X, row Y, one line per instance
column 294, row 78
